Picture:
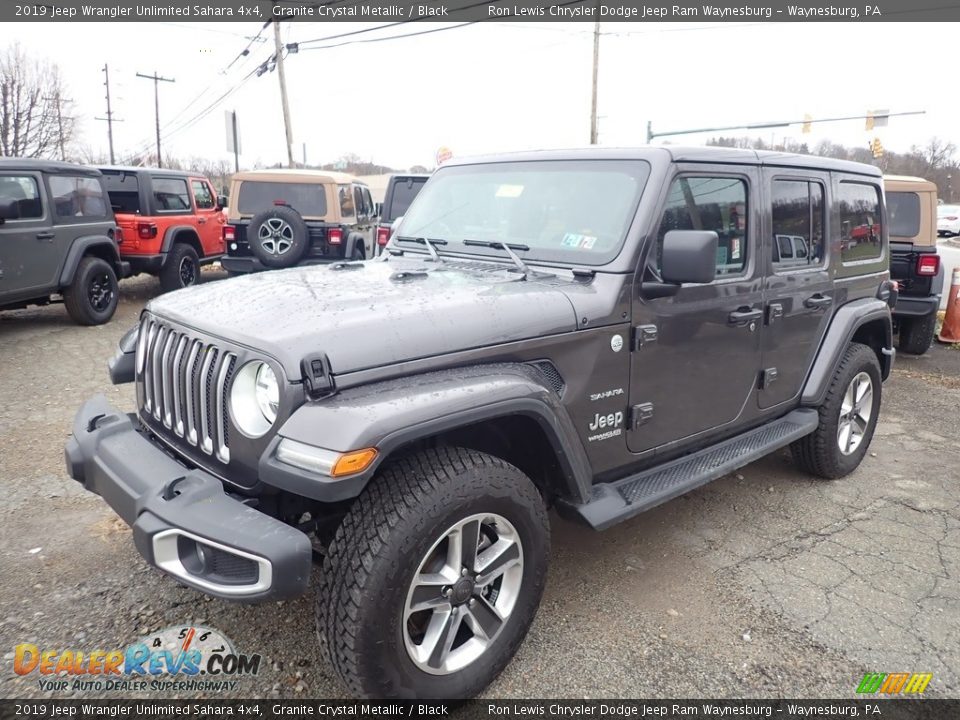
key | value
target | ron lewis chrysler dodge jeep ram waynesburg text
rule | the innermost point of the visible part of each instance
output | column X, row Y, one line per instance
column 596, row 330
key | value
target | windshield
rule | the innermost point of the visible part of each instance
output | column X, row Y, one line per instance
column 571, row 211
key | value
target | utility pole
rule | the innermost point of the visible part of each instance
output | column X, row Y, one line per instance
column 304, row 154
column 235, row 141
column 156, row 102
column 283, row 92
column 109, row 117
column 593, row 94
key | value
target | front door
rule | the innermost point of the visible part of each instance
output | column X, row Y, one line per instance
column 30, row 259
column 209, row 218
column 798, row 290
column 696, row 354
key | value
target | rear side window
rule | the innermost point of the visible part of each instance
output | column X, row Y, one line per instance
column 171, row 194
column 19, row 198
column 860, row 232
column 346, row 200
column 77, row 197
column 798, row 209
column 124, row 191
column 903, row 209
column 309, row 199
column 710, row 203
column 402, row 193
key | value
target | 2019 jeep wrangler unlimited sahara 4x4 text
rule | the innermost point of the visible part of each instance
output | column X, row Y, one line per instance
column 596, row 330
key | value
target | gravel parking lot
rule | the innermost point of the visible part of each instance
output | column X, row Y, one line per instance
column 765, row 583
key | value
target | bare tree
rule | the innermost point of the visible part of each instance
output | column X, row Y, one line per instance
column 36, row 117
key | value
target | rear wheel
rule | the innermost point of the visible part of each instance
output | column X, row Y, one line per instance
column 181, row 269
column 434, row 576
column 93, row 296
column 848, row 417
column 916, row 334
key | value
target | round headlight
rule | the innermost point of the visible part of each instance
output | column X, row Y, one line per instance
column 255, row 398
column 268, row 393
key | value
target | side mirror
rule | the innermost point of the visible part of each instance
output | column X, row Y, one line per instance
column 222, row 202
column 689, row 256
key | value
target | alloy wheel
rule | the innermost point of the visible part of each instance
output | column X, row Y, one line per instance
column 463, row 594
column 276, row 236
column 855, row 413
column 100, row 292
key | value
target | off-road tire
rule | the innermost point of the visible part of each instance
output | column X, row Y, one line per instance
column 916, row 334
column 819, row 453
column 298, row 238
column 94, row 279
column 377, row 550
column 181, row 268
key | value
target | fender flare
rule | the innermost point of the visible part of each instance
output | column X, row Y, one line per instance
column 391, row 414
column 79, row 248
column 843, row 326
column 170, row 235
column 352, row 240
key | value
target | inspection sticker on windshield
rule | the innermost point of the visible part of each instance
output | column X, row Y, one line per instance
column 575, row 240
column 509, row 191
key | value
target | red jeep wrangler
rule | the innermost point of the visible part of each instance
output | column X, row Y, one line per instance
column 171, row 222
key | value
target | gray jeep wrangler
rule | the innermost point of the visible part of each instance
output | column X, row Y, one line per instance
column 597, row 331
column 58, row 239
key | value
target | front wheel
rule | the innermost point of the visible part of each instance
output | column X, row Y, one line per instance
column 434, row 576
column 848, row 417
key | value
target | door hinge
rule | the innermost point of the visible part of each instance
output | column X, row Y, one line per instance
column 767, row 377
column 640, row 414
column 644, row 334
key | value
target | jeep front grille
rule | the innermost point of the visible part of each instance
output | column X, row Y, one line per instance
column 184, row 386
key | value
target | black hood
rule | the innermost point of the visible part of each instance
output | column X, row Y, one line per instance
column 374, row 313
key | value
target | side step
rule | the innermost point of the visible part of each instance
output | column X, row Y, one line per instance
column 612, row 502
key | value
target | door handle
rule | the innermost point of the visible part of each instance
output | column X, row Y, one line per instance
column 201, row 220
column 47, row 235
column 744, row 316
column 818, row 301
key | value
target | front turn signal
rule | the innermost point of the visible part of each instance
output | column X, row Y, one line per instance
column 353, row 462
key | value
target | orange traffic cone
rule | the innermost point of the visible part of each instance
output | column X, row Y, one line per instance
column 950, row 332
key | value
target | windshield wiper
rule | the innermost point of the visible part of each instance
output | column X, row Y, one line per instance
column 506, row 247
column 428, row 243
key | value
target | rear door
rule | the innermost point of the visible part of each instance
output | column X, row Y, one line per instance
column 209, row 219
column 30, row 260
column 696, row 354
column 798, row 291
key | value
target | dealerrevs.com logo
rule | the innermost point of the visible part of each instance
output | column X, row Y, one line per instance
column 177, row 658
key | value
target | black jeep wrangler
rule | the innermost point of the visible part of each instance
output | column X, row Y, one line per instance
column 58, row 240
column 597, row 330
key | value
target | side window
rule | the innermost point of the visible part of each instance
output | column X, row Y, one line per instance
column 710, row 203
column 798, row 209
column 171, row 194
column 860, row 232
column 202, row 194
column 358, row 200
column 19, row 198
column 73, row 196
column 346, row 201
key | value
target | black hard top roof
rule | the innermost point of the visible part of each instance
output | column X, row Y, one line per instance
column 668, row 153
column 46, row 166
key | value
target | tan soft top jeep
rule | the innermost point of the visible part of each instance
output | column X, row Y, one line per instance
column 914, row 263
column 280, row 218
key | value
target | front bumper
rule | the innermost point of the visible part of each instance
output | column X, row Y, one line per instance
column 183, row 521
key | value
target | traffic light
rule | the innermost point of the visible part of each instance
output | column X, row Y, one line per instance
column 876, row 147
column 806, row 124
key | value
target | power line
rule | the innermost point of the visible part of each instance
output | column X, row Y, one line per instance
column 393, row 37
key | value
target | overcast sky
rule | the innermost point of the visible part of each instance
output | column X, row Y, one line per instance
column 498, row 86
